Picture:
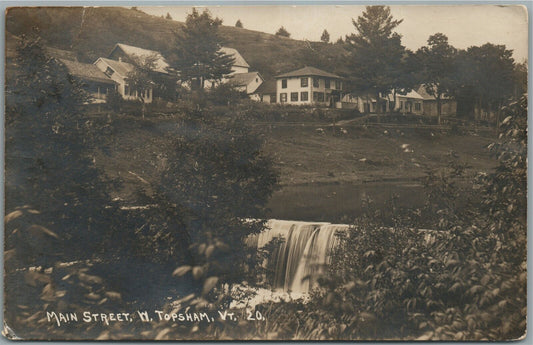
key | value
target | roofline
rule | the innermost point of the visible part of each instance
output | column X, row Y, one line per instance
column 102, row 59
column 306, row 75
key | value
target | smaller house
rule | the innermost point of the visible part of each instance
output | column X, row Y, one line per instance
column 363, row 103
column 93, row 80
column 410, row 103
column 308, row 85
column 118, row 72
column 266, row 92
column 448, row 105
column 247, row 82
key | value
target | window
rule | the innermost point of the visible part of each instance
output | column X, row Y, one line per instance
column 337, row 84
column 304, row 82
column 257, row 80
column 304, row 96
column 318, row 96
column 315, row 82
column 328, row 84
column 126, row 90
column 109, row 72
column 284, row 84
column 418, row 106
column 283, row 97
column 294, row 96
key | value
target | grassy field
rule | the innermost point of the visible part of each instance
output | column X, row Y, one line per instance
column 367, row 154
column 325, row 173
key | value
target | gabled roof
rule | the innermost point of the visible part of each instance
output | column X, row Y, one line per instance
column 267, row 87
column 61, row 53
column 120, row 67
column 427, row 97
column 239, row 60
column 411, row 94
column 243, row 79
column 86, row 71
column 308, row 71
column 160, row 62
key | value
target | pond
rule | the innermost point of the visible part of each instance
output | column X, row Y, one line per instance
column 333, row 202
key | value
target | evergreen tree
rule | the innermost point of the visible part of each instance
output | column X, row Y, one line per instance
column 376, row 53
column 197, row 57
column 283, row 32
column 169, row 17
column 238, row 24
column 325, row 36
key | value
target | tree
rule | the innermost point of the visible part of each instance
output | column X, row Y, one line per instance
column 376, row 53
column 197, row 56
column 220, row 180
column 169, row 17
column 438, row 59
column 140, row 78
column 283, row 32
column 238, row 24
column 487, row 73
column 325, row 36
column 50, row 150
column 340, row 41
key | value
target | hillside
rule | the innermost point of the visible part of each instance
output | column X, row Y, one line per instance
column 92, row 32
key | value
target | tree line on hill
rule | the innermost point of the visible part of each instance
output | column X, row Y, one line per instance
column 481, row 78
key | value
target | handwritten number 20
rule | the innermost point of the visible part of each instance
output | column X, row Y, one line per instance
column 258, row 316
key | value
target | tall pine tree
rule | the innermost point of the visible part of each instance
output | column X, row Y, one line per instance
column 376, row 53
column 197, row 57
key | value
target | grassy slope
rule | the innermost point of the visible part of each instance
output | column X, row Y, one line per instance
column 92, row 32
column 305, row 157
column 363, row 155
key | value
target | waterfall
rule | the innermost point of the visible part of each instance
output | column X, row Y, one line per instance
column 302, row 256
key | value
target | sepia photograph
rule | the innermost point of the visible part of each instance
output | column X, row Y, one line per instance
column 266, row 172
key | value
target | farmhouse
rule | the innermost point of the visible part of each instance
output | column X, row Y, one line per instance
column 308, row 85
column 118, row 72
column 92, row 79
column 448, row 105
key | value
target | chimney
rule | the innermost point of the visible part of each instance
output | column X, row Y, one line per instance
column 119, row 59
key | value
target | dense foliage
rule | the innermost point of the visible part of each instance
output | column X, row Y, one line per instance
column 50, row 158
column 465, row 282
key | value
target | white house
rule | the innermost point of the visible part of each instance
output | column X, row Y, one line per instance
column 448, row 105
column 308, row 85
column 118, row 72
column 124, row 52
column 410, row 103
column 247, row 82
column 92, row 79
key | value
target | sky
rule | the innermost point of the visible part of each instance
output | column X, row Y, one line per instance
column 465, row 25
